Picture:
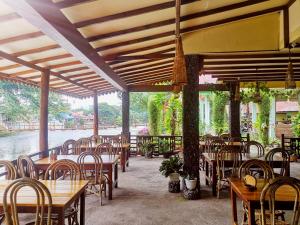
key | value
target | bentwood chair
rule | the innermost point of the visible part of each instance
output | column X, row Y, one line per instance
column 43, row 211
column 254, row 149
column 11, row 174
column 83, row 144
column 105, row 149
column 95, row 139
column 26, row 167
column 268, row 215
column 224, row 172
column 65, row 169
column 68, row 148
column 95, row 176
column 283, row 156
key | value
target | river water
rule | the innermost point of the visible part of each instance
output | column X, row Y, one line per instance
column 27, row 142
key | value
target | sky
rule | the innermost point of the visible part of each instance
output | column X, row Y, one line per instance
column 111, row 99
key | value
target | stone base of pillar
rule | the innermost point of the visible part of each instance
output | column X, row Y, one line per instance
column 191, row 194
column 174, row 186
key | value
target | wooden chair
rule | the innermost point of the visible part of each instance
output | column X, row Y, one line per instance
column 43, row 211
column 65, row 169
column 106, row 139
column 11, row 174
column 255, row 149
column 268, row 194
column 10, row 169
column 223, row 171
column 83, row 144
column 105, row 149
column 68, row 148
column 26, row 167
column 97, row 179
column 95, row 140
column 281, row 154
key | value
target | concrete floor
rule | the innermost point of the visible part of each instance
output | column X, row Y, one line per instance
column 143, row 199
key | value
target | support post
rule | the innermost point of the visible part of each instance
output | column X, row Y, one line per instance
column 234, row 112
column 125, row 114
column 96, row 116
column 190, row 132
column 44, row 99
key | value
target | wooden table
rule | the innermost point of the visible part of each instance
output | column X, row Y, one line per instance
column 284, row 198
column 110, row 164
column 210, row 160
column 124, row 155
column 63, row 192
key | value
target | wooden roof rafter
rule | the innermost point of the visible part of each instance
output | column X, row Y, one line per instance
column 47, row 17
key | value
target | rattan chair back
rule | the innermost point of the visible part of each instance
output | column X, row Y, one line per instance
column 105, row 149
column 95, row 140
column 63, row 169
column 279, row 154
column 10, row 169
column 26, row 167
column 43, row 201
column 254, row 149
column 257, row 168
column 83, row 144
column 68, row 148
column 268, row 194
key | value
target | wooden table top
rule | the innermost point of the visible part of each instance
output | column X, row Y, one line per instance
column 236, row 143
column 105, row 158
column 284, row 193
column 228, row 157
column 63, row 192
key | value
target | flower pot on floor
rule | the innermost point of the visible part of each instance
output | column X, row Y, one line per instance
column 191, row 184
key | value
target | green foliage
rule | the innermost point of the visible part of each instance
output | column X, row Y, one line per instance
column 154, row 113
column 262, row 123
column 164, row 146
column 172, row 165
column 173, row 115
column 296, row 125
column 138, row 107
column 219, row 102
column 22, row 102
column 109, row 114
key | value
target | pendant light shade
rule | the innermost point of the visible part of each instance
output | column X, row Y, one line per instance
column 179, row 68
column 290, row 80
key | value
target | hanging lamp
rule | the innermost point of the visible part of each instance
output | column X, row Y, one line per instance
column 237, row 94
column 290, row 79
column 179, row 68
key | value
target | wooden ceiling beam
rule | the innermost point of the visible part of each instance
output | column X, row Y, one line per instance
column 81, row 75
column 251, row 71
column 254, row 56
column 254, row 67
column 154, row 80
column 47, row 17
column 94, row 77
column 70, row 3
column 172, row 20
column 157, row 56
column 138, row 63
column 74, row 69
column 153, row 65
column 21, row 37
column 8, row 17
column 155, row 75
column 250, row 62
column 134, row 12
column 135, row 72
column 170, row 69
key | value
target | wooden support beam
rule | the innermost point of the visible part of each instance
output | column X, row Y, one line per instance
column 147, row 68
column 21, row 37
column 190, row 126
column 286, row 27
column 8, row 17
column 44, row 112
column 158, row 56
column 257, row 55
column 142, row 66
column 125, row 115
column 46, row 16
column 96, row 115
column 234, row 112
column 147, row 72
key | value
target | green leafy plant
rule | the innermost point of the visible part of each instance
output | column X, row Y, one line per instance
column 164, row 146
column 219, row 102
column 296, row 125
column 147, row 148
column 172, row 165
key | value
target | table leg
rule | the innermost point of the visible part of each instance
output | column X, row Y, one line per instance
column 116, row 175
column 82, row 208
column 234, row 207
column 251, row 212
column 110, row 181
column 60, row 216
column 214, row 179
column 206, row 172
column 123, row 159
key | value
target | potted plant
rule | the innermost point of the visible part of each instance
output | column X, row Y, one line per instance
column 148, row 149
column 172, row 168
column 190, row 182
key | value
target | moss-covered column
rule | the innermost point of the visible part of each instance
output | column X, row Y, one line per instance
column 190, row 126
column 234, row 112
